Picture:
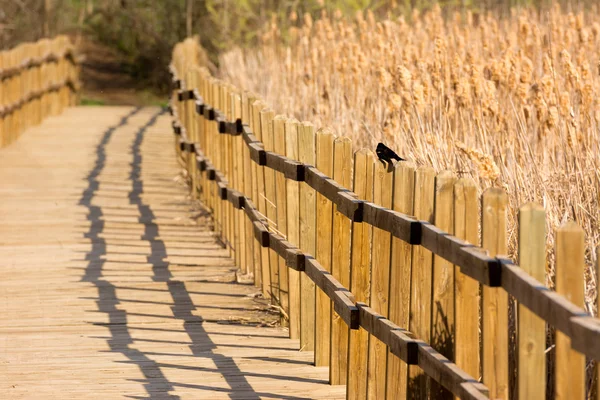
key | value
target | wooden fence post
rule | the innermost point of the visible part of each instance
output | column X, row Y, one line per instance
column 442, row 318
column 227, row 169
column 266, row 122
column 400, row 278
column 531, row 328
column 247, row 187
column 466, row 317
column 292, row 189
column 495, row 300
column 216, row 157
column 261, row 256
column 383, row 188
column 340, row 261
column 308, row 235
column 570, row 262
column 280, row 190
column 238, row 173
column 422, row 275
column 360, row 276
column 325, row 160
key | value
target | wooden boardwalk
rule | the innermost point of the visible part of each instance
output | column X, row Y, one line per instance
column 111, row 283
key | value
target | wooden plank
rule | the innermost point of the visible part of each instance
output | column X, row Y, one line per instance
column 531, row 328
column 360, row 275
column 266, row 122
column 241, row 247
column 247, row 189
column 79, row 299
column 383, row 188
column 495, row 300
column 292, row 189
column 340, row 261
column 400, row 278
column 308, row 235
column 237, row 182
column 466, row 226
column 420, row 299
column 324, row 162
column 261, row 256
column 229, row 150
column 570, row 262
column 443, row 322
column 280, row 189
column 597, row 314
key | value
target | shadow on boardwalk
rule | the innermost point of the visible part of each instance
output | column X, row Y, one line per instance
column 156, row 384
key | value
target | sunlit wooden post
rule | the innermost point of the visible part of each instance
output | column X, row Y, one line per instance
column 569, row 375
column 422, row 270
column 466, row 227
column 324, row 163
column 292, row 189
column 247, row 189
column 531, row 328
column 400, row 278
column 340, row 261
column 442, row 318
column 238, row 173
column 266, row 122
column 362, row 234
column 383, row 188
column 495, row 300
column 279, row 146
column 308, row 237
column 261, row 256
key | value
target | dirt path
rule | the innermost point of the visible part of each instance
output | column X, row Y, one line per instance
column 105, row 81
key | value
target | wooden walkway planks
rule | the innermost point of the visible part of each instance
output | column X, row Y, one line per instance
column 111, row 284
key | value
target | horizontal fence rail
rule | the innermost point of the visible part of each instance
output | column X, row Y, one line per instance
column 575, row 322
column 208, row 118
column 355, row 314
column 36, row 80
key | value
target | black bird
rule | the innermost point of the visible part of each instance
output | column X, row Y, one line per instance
column 386, row 155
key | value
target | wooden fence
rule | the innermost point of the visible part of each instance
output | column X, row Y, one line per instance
column 36, row 80
column 399, row 286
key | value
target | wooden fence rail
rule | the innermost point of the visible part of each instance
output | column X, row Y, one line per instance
column 36, row 80
column 397, row 259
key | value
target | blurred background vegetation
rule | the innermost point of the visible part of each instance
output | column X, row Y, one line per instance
column 127, row 43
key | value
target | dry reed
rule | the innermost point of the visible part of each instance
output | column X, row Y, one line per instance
column 511, row 102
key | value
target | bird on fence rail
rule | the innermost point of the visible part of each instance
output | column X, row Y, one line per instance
column 386, row 155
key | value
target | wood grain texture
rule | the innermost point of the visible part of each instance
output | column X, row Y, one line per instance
column 281, row 205
column 495, row 300
column 383, row 188
column 466, row 227
column 324, row 162
column 570, row 263
column 420, row 300
column 340, row 261
column 116, row 287
column 308, row 237
column 442, row 318
column 266, row 122
column 261, row 257
column 292, row 189
column 400, row 278
column 531, row 328
column 360, row 276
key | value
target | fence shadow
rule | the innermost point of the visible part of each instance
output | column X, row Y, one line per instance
column 156, row 384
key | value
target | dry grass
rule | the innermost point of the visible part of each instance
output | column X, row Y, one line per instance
column 511, row 102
